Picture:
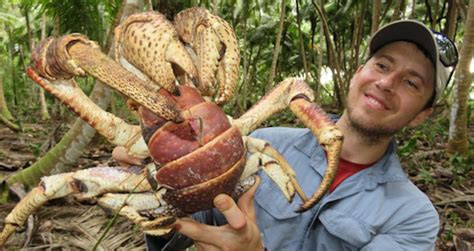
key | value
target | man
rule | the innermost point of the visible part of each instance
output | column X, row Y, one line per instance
column 372, row 205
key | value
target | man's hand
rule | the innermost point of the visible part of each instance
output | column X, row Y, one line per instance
column 241, row 232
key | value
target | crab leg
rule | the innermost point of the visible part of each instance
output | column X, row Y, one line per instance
column 215, row 44
column 148, row 210
column 75, row 55
column 296, row 95
column 273, row 102
column 274, row 164
column 84, row 183
column 328, row 135
column 113, row 128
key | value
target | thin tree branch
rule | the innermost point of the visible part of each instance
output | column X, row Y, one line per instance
column 277, row 47
column 300, row 36
column 340, row 90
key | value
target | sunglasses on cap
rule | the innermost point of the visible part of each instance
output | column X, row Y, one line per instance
column 448, row 54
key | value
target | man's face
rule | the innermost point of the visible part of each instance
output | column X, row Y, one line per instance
column 391, row 90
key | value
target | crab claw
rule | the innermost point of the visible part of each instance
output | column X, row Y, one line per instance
column 150, row 43
column 215, row 44
column 50, row 58
column 75, row 55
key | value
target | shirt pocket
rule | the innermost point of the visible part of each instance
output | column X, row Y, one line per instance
column 270, row 198
column 347, row 228
column 280, row 225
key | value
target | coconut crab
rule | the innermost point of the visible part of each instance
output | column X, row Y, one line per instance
column 191, row 150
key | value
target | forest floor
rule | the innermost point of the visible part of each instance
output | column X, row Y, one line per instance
column 66, row 224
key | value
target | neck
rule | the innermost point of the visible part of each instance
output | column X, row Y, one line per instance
column 359, row 148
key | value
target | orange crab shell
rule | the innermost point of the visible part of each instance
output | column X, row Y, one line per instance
column 200, row 157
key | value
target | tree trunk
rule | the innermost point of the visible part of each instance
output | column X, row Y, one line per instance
column 9, row 124
column 462, row 9
column 300, row 37
column 65, row 154
column 396, row 10
column 450, row 27
column 356, row 39
column 31, row 89
column 12, row 65
column 319, row 56
column 277, row 47
column 44, row 107
column 458, row 135
column 5, row 116
column 240, row 101
column 339, row 86
column 376, row 9
column 56, row 32
column 413, row 10
column 3, row 103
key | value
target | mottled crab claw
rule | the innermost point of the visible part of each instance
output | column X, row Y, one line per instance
column 51, row 60
column 76, row 55
column 215, row 44
column 150, row 43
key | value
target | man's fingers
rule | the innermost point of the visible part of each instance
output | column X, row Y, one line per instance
column 246, row 201
column 227, row 206
column 241, row 232
column 193, row 230
column 206, row 237
column 237, row 215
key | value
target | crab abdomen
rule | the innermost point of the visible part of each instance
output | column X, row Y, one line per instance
column 198, row 158
column 205, row 163
column 200, row 196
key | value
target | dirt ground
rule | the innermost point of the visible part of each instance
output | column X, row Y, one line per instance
column 65, row 224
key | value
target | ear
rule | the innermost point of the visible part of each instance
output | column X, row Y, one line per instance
column 421, row 117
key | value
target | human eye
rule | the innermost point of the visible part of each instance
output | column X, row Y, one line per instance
column 382, row 66
column 412, row 84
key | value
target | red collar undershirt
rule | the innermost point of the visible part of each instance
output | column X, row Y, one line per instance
column 346, row 169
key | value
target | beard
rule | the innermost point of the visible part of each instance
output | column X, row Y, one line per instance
column 373, row 133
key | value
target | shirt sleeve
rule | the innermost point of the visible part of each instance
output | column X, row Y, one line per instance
column 416, row 233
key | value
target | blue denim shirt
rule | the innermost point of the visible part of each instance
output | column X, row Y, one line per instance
column 377, row 208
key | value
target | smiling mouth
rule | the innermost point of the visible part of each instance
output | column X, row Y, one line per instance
column 375, row 103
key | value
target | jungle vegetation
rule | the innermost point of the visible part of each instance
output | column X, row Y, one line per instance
column 323, row 41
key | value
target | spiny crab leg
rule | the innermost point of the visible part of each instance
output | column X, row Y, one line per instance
column 113, row 128
column 215, row 44
column 147, row 210
column 85, row 184
column 274, row 164
column 75, row 55
column 150, row 43
column 328, row 135
column 297, row 95
column 278, row 99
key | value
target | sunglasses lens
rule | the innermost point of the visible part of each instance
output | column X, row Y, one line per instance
column 447, row 50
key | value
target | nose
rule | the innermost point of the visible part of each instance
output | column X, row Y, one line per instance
column 386, row 83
